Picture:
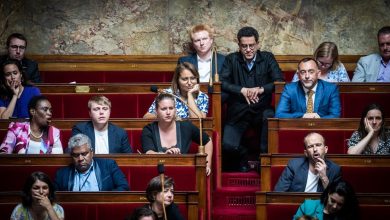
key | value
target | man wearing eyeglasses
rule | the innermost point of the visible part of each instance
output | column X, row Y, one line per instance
column 87, row 173
column 248, row 78
column 16, row 47
column 375, row 67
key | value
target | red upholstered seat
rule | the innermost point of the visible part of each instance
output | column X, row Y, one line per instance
column 289, row 75
column 352, row 104
column 105, row 76
column 368, row 179
column 16, row 175
column 291, row 141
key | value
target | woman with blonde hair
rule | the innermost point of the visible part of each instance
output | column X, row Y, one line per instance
column 327, row 57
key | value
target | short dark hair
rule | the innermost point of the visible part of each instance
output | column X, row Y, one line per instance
column 384, row 30
column 307, row 59
column 26, row 192
column 16, row 35
column 350, row 209
column 154, row 187
column 247, row 32
column 32, row 104
column 140, row 212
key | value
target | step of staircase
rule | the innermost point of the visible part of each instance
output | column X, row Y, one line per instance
column 233, row 214
column 236, row 199
column 237, row 179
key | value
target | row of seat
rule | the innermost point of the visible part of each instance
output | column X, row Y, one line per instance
column 105, row 205
column 188, row 172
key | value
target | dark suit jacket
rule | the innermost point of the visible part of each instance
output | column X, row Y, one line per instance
column 192, row 58
column 30, row 67
column 118, row 141
column 292, row 103
column 294, row 176
column 109, row 176
column 235, row 75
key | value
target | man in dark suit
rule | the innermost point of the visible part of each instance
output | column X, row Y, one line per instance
column 312, row 173
column 16, row 47
column 248, row 77
column 106, row 137
column 87, row 173
column 309, row 97
column 202, row 39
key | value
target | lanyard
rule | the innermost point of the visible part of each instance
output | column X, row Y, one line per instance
column 85, row 180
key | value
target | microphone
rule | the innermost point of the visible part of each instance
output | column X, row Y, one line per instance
column 216, row 75
column 201, row 149
column 161, row 170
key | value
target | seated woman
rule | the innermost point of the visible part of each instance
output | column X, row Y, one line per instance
column 38, row 200
column 338, row 201
column 185, row 85
column 157, row 197
column 166, row 135
column 371, row 136
column 35, row 136
column 15, row 93
column 332, row 70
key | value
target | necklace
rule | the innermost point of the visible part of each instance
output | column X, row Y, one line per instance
column 37, row 137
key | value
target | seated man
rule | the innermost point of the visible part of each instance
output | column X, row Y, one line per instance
column 375, row 67
column 312, row 173
column 106, row 137
column 202, row 39
column 309, row 97
column 87, row 173
column 248, row 77
column 16, row 46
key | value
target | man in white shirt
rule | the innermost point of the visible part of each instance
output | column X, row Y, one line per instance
column 202, row 40
column 311, row 173
column 105, row 137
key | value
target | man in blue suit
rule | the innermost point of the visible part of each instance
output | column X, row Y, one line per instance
column 309, row 97
column 375, row 67
column 105, row 137
column 312, row 173
column 87, row 173
column 202, row 38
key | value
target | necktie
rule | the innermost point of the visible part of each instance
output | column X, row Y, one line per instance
column 309, row 108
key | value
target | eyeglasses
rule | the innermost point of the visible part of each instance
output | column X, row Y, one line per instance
column 324, row 64
column 15, row 47
column 246, row 46
column 84, row 154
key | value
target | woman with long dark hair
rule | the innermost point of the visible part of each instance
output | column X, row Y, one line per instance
column 38, row 200
column 15, row 90
column 338, row 202
column 371, row 136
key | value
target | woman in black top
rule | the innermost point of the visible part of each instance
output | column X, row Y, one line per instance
column 170, row 136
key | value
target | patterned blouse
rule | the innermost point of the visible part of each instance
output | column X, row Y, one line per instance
column 383, row 148
column 338, row 75
column 18, row 138
column 202, row 101
column 22, row 213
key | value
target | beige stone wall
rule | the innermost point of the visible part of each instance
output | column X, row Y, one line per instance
column 134, row 27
